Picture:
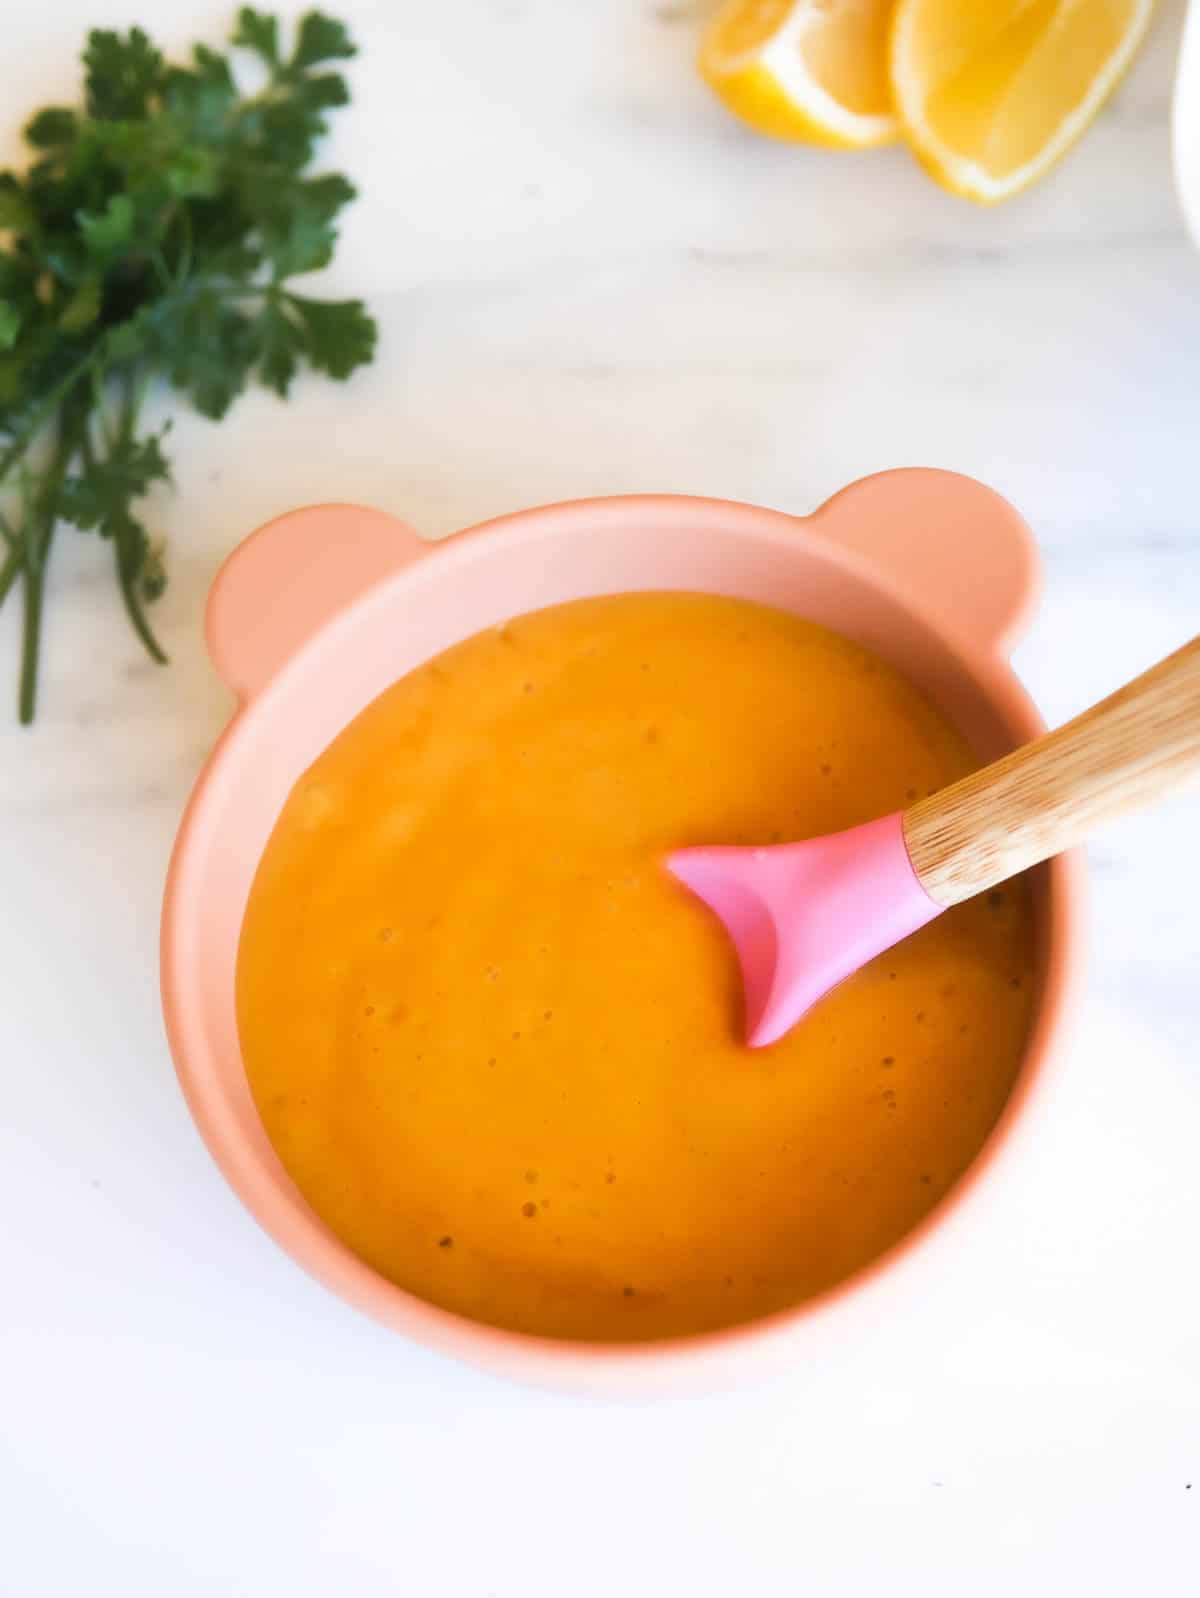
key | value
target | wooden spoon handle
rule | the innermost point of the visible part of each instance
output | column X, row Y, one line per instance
column 1044, row 798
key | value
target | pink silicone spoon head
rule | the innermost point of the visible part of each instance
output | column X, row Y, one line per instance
column 804, row 916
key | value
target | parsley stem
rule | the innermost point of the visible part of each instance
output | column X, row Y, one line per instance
column 39, row 534
column 100, row 405
column 129, row 562
column 8, row 572
column 184, row 265
column 135, row 395
column 128, row 544
column 41, row 413
column 31, row 642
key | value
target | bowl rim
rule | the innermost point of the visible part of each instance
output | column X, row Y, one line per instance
column 668, row 1362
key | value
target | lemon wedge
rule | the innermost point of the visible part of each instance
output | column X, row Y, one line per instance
column 992, row 92
column 809, row 70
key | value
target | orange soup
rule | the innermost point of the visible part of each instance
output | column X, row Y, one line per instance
column 499, row 1049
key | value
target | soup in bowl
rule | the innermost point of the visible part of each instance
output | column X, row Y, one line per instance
column 448, row 1024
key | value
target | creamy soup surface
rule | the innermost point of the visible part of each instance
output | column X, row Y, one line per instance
column 499, row 1049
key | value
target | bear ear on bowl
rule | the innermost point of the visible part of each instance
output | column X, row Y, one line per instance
column 290, row 577
column 958, row 550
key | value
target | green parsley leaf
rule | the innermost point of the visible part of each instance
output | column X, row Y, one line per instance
column 83, row 307
column 15, row 210
column 111, row 232
column 52, row 127
column 339, row 335
column 10, row 325
column 279, row 343
column 258, row 32
column 123, row 74
column 321, row 38
column 98, row 498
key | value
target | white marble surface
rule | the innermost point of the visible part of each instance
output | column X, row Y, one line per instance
column 589, row 281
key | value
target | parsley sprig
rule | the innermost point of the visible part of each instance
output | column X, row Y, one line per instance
column 155, row 236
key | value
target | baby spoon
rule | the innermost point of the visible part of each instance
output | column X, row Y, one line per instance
column 804, row 916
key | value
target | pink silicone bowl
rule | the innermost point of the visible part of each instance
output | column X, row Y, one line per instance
column 319, row 611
